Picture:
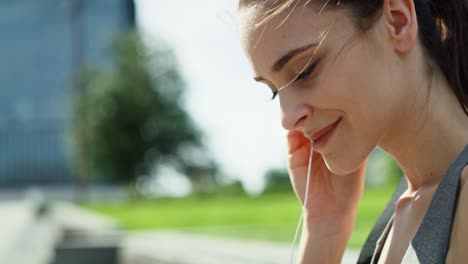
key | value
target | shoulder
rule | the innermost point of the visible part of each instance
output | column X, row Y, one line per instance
column 459, row 237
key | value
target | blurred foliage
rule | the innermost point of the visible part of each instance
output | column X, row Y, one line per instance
column 271, row 217
column 232, row 189
column 393, row 171
column 131, row 119
column 382, row 170
column 277, row 180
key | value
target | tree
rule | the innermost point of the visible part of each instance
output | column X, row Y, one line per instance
column 133, row 117
column 277, row 180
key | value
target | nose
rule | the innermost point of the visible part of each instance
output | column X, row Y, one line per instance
column 294, row 119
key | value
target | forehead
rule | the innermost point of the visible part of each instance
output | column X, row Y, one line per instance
column 289, row 30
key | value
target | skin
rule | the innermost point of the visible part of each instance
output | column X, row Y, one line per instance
column 377, row 86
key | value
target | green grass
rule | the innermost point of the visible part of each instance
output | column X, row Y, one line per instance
column 269, row 217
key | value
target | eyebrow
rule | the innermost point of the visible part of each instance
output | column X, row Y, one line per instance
column 279, row 65
column 290, row 55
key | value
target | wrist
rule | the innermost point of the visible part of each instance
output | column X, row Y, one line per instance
column 322, row 247
column 332, row 225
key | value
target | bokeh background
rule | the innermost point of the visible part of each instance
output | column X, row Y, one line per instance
column 133, row 132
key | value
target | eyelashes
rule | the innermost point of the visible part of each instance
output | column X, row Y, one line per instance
column 307, row 72
column 304, row 75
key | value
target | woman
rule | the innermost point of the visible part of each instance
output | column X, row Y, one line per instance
column 352, row 75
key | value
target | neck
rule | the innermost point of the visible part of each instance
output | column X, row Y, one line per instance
column 430, row 135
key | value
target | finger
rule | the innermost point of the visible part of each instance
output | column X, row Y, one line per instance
column 316, row 156
column 300, row 157
column 296, row 140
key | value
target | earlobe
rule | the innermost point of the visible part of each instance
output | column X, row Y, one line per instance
column 401, row 23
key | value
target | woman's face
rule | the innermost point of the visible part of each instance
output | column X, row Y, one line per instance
column 332, row 77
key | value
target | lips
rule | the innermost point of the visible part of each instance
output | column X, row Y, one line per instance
column 316, row 135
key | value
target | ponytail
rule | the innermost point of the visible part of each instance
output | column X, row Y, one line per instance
column 444, row 33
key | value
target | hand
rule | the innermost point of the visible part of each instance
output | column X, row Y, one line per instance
column 332, row 198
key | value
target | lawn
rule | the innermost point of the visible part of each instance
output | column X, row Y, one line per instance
column 269, row 217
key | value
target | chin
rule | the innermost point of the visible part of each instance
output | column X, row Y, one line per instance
column 346, row 163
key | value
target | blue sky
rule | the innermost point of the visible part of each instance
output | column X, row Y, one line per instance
column 241, row 123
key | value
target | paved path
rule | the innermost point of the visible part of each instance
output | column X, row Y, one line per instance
column 181, row 248
column 26, row 239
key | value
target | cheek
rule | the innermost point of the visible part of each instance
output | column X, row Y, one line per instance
column 365, row 118
column 349, row 150
column 364, row 96
column 358, row 88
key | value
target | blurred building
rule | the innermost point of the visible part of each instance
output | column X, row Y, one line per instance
column 42, row 43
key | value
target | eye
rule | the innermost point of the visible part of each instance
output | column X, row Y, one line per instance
column 307, row 72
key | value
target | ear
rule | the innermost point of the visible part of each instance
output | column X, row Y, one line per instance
column 402, row 24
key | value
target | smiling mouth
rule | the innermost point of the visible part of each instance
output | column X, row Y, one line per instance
column 317, row 135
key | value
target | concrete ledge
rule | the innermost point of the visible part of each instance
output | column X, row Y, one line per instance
column 27, row 237
column 85, row 237
column 71, row 217
column 85, row 253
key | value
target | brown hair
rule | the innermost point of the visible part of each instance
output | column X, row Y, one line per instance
column 443, row 31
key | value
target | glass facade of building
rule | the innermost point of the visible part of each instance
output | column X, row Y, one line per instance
column 38, row 41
